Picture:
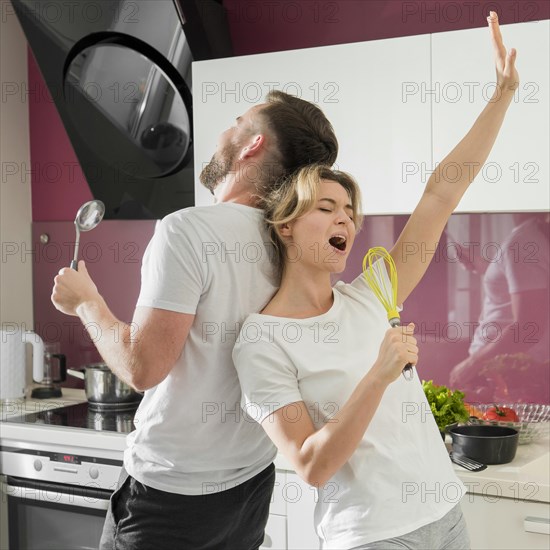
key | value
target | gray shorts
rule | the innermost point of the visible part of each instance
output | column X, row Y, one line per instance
column 448, row 533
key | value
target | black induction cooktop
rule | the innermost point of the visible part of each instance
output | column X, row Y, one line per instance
column 82, row 416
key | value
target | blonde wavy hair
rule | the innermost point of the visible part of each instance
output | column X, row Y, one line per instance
column 298, row 195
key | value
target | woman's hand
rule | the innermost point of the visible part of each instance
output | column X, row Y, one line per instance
column 72, row 288
column 507, row 76
column 398, row 348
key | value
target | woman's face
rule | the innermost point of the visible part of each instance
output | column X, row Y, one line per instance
column 323, row 237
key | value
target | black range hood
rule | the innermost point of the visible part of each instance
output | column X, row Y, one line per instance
column 119, row 73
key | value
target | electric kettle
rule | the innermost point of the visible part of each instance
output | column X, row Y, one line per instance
column 49, row 387
column 13, row 361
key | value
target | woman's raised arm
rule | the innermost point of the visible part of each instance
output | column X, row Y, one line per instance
column 441, row 196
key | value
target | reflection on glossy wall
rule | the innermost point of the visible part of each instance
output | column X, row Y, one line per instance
column 481, row 311
column 485, row 294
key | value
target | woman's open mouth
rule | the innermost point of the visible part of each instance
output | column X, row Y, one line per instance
column 339, row 243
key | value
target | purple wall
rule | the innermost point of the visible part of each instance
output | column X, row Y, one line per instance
column 113, row 252
column 58, row 184
column 258, row 26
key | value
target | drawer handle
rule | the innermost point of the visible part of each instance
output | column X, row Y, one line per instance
column 537, row 525
column 65, row 469
column 267, row 543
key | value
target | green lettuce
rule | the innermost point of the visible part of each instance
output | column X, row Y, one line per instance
column 446, row 405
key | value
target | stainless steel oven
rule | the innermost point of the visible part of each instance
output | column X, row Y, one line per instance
column 57, row 492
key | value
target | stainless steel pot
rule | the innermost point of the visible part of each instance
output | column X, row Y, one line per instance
column 103, row 386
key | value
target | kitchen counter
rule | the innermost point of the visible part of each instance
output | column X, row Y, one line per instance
column 526, row 477
column 518, row 491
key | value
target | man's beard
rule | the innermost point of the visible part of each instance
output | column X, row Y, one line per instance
column 219, row 166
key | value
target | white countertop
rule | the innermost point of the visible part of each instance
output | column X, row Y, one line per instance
column 526, row 477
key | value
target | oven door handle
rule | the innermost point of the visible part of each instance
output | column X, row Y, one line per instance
column 43, row 495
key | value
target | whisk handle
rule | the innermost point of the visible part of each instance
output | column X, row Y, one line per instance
column 407, row 372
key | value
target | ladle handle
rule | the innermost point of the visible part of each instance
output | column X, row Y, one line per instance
column 76, row 373
column 74, row 265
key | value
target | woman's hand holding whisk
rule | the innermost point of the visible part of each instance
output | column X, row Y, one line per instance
column 397, row 349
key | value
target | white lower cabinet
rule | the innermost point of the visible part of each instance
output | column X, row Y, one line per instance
column 290, row 522
column 503, row 523
column 275, row 533
column 494, row 523
column 300, row 505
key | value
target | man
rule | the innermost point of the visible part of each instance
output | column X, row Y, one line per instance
column 200, row 473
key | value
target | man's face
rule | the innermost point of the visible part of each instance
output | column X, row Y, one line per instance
column 230, row 144
column 219, row 166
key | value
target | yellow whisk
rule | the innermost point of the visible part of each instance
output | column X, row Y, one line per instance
column 373, row 270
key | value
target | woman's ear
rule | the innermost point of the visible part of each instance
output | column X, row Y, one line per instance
column 285, row 230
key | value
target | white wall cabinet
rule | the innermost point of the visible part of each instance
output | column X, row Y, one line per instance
column 398, row 106
column 360, row 88
column 516, row 176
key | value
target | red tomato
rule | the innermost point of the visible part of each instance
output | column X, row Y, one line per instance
column 502, row 414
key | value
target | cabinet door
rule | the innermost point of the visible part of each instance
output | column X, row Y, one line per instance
column 278, row 502
column 300, row 504
column 503, row 523
column 275, row 533
column 516, row 175
column 384, row 131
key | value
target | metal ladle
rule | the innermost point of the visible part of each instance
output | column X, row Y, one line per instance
column 88, row 216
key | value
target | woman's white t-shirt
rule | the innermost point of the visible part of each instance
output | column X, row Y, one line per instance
column 400, row 477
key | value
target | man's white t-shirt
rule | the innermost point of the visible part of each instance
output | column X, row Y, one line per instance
column 191, row 435
column 400, row 477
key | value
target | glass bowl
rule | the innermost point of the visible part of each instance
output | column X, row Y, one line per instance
column 533, row 424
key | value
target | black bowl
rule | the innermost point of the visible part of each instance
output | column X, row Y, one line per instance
column 486, row 444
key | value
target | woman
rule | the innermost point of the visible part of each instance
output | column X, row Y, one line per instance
column 321, row 372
